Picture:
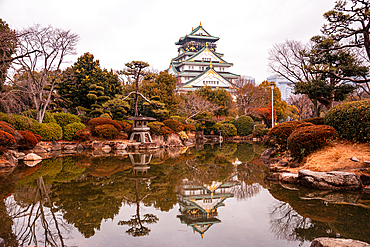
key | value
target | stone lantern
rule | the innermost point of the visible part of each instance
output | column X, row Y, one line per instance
column 141, row 130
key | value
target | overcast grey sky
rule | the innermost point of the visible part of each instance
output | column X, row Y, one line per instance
column 119, row 31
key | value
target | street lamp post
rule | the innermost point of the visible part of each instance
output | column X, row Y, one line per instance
column 272, row 104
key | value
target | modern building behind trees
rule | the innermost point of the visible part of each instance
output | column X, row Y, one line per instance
column 285, row 86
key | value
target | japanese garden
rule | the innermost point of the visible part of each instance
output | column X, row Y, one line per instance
column 192, row 154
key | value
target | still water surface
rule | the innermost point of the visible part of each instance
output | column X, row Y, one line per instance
column 205, row 196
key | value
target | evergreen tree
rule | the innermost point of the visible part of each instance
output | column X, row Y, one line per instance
column 86, row 86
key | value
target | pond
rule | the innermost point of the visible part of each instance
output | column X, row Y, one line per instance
column 211, row 195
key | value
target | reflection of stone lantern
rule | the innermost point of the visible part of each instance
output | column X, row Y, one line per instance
column 141, row 130
column 140, row 167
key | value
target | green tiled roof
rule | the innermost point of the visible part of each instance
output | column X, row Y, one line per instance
column 191, row 35
column 195, row 78
column 190, row 58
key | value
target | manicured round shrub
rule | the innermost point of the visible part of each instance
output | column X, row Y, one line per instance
column 260, row 130
column 83, row 135
column 71, row 129
column 48, row 131
column 165, row 131
column 175, row 125
column 282, row 131
column 351, row 120
column 28, row 141
column 101, row 121
column 189, row 127
column 63, row 119
column 315, row 120
column 125, row 126
column 6, row 139
column 4, row 126
column 106, row 131
column 244, row 125
column 228, row 130
column 305, row 140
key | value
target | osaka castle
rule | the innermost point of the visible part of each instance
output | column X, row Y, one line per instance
column 198, row 64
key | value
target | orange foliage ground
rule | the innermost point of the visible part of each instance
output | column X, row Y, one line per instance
column 337, row 157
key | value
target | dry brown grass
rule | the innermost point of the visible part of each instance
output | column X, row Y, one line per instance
column 337, row 157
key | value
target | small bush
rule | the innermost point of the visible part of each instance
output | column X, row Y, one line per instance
column 173, row 140
column 71, row 129
column 106, row 131
column 102, row 121
column 260, row 130
column 83, row 135
column 282, row 131
column 165, row 131
column 63, row 119
column 29, row 139
column 4, row 126
column 48, row 131
column 208, row 127
column 228, row 130
column 175, row 125
column 315, row 120
column 125, row 126
column 6, row 139
column 159, row 141
column 183, row 136
column 38, row 137
column 244, row 125
column 189, row 127
column 351, row 120
column 19, row 122
column 307, row 139
column 155, row 127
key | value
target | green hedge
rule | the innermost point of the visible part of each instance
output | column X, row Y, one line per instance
column 71, row 129
column 48, row 116
column 228, row 130
column 19, row 122
column 307, row 139
column 63, row 119
column 351, row 120
column 48, row 131
column 244, row 125
column 260, row 130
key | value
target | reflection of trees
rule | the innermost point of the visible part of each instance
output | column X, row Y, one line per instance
column 244, row 190
column 142, row 182
column 304, row 214
column 39, row 214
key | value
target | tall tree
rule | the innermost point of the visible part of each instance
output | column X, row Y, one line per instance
column 314, row 69
column 135, row 72
column 349, row 22
column 41, row 52
column 163, row 86
column 86, row 86
column 220, row 97
column 192, row 104
column 8, row 43
column 249, row 97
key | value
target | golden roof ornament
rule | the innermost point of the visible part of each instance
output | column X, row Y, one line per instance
column 210, row 64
